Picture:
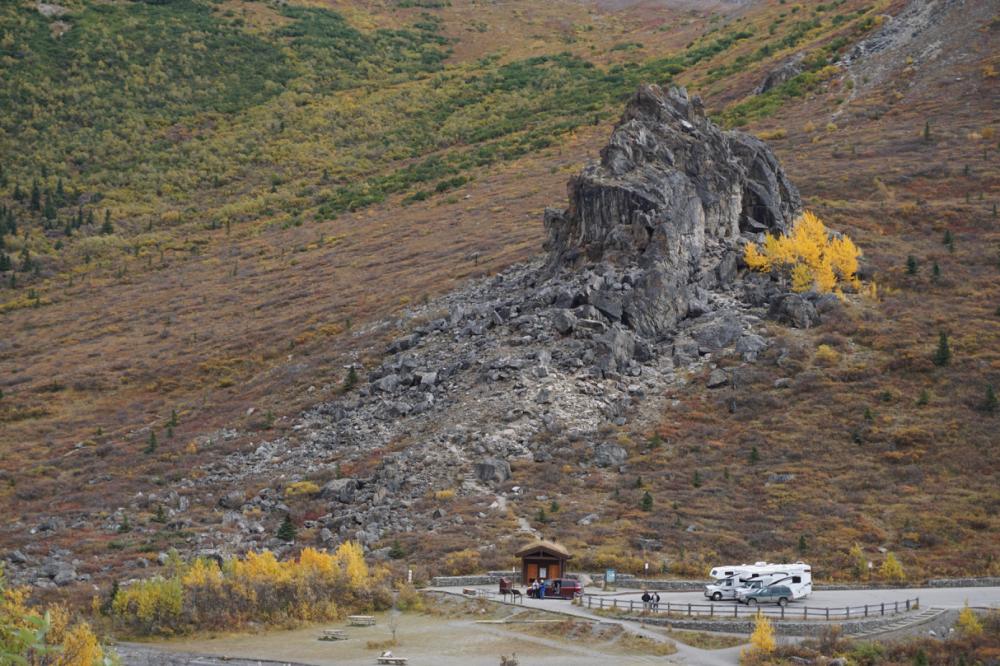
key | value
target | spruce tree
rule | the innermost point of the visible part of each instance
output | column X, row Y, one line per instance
column 942, row 355
column 287, row 530
column 18, row 194
column 990, row 404
column 3, row 177
column 60, row 193
column 936, row 270
column 754, row 455
column 927, row 130
column 911, row 265
column 36, row 196
column 802, row 544
column 49, row 211
column 107, row 228
column 948, row 240
column 647, row 502
column 696, row 480
column 150, row 443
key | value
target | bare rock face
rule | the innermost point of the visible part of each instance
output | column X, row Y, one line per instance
column 669, row 199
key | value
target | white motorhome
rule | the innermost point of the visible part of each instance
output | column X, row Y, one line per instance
column 733, row 580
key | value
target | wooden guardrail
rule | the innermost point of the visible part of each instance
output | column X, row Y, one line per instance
column 737, row 610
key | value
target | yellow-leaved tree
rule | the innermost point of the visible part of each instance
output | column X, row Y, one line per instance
column 43, row 637
column 968, row 622
column 809, row 256
column 351, row 558
column 891, row 569
column 762, row 639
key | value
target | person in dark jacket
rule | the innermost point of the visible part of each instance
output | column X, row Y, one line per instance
column 646, row 598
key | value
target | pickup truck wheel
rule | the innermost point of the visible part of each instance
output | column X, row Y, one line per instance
column 717, row 596
column 751, row 602
column 782, row 602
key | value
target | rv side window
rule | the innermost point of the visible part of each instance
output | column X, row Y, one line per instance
column 796, row 579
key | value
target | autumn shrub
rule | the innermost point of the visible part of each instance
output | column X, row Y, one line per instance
column 44, row 637
column 301, row 488
column 968, row 622
column 258, row 588
column 891, row 569
column 810, row 257
column 461, row 562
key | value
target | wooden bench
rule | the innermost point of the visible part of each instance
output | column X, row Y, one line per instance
column 470, row 591
column 392, row 660
column 361, row 620
column 333, row 635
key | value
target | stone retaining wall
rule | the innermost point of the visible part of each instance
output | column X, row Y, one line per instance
column 781, row 627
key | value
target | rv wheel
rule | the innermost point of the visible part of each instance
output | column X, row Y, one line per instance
column 751, row 602
column 782, row 602
column 717, row 596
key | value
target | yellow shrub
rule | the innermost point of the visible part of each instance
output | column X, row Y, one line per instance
column 301, row 488
column 891, row 569
column 762, row 638
column 444, row 495
column 202, row 572
column 80, row 647
column 827, row 355
column 152, row 605
column 968, row 622
column 461, row 562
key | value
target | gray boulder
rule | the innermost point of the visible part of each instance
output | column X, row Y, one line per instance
column 750, row 345
column 564, row 321
column 609, row 455
column 717, row 333
column 795, row 310
column 340, row 490
column 232, row 500
column 717, row 378
column 493, row 470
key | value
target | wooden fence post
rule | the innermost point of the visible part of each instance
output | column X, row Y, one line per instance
column 689, row 610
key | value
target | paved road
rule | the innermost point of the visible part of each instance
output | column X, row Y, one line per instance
column 943, row 597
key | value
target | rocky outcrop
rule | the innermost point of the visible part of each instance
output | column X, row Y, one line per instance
column 784, row 72
column 667, row 205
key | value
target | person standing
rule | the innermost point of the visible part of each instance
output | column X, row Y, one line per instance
column 645, row 601
column 656, row 602
column 534, row 588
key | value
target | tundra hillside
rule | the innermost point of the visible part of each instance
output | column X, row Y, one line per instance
column 216, row 215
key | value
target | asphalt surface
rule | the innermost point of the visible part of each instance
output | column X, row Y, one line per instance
column 940, row 597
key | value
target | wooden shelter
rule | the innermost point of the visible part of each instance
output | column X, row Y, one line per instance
column 542, row 559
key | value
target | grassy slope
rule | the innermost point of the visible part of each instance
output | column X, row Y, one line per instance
column 237, row 275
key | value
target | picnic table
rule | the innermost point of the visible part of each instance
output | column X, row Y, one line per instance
column 361, row 620
column 387, row 658
column 333, row 635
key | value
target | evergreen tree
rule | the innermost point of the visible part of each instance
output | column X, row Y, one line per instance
column 287, row 530
column 936, row 271
column 990, row 404
column 911, row 265
column 18, row 194
column 5, row 264
column 802, row 544
column 150, row 443
column 696, row 480
column 942, row 355
column 948, row 240
column 161, row 515
column 49, row 211
column 124, row 526
column 754, row 455
column 107, row 228
column 351, row 380
column 3, row 177
column 36, row 196
column 541, row 517
column 927, row 130
column 173, row 418
column 79, row 218
column 90, row 217
column 60, row 193
column 647, row 502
